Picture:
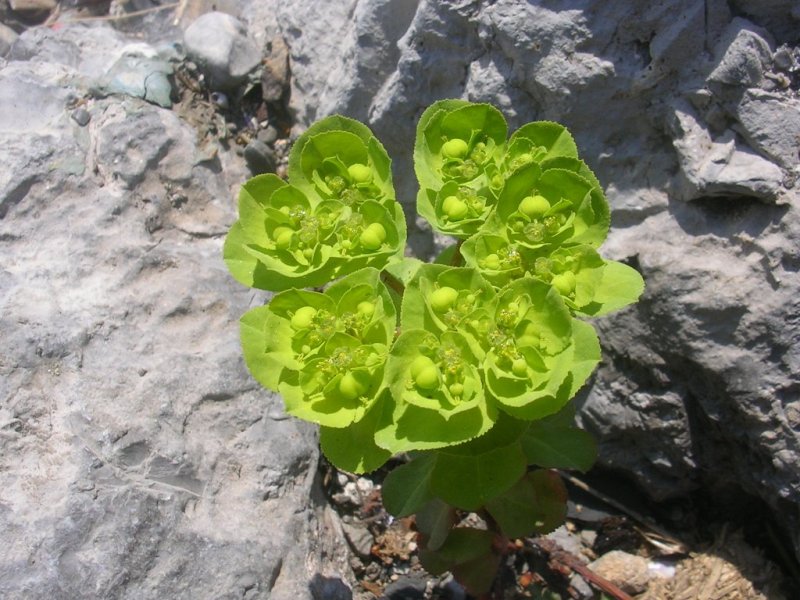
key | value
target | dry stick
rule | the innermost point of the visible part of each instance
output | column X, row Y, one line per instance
column 560, row 555
column 179, row 12
column 136, row 13
column 622, row 508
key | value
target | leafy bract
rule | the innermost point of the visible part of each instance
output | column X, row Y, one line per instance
column 321, row 163
column 353, row 448
column 458, row 141
column 336, row 215
column 325, row 352
column 619, row 286
column 554, row 207
column 436, row 390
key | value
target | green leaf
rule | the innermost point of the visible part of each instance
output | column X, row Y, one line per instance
column 404, row 269
column 536, row 504
column 559, row 447
column 620, row 286
column 553, row 138
column 413, row 427
column 329, row 147
column 434, row 521
column 572, row 164
column 463, row 545
column 353, row 448
column 260, row 188
column 429, row 139
column 470, row 481
column 475, row 125
column 469, row 555
column 407, row 488
column 585, row 357
column 265, row 367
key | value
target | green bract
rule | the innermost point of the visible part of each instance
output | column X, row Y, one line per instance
column 325, row 352
column 336, row 215
column 475, row 377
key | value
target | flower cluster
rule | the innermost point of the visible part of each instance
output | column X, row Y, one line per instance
column 337, row 213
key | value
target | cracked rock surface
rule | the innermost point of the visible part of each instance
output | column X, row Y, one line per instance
column 138, row 459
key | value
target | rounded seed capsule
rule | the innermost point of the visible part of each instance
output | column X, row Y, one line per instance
column 419, row 364
column 455, row 208
column 360, row 173
column 456, row 389
column 534, row 206
column 350, row 388
column 303, row 317
column 523, row 159
column 443, row 298
column 519, row 367
column 564, row 282
column 491, row 262
column 372, row 237
column 282, row 237
column 455, row 148
column 427, row 378
column 366, row 308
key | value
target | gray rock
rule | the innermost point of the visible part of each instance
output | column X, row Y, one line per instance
column 143, row 76
column 275, row 73
column 218, row 42
column 267, row 135
column 138, row 459
column 743, row 56
column 260, row 157
column 81, row 116
column 771, row 124
column 406, row 588
column 7, row 38
column 360, row 538
column 780, row 16
column 721, row 166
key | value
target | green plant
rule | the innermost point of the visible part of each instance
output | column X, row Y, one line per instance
column 467, row 364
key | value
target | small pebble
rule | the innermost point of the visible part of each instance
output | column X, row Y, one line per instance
column 260, row 158
column 267, row 135
column 81, row 116
column 220, row 99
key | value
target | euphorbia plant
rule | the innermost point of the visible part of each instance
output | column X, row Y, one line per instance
column 467, row 364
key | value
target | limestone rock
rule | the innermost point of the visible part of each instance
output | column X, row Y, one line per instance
column 744, row 55
column 140, row 76
column 219, row 43
column 770, row 122
column 7, row 37
column 137, row 456
column 721, row 166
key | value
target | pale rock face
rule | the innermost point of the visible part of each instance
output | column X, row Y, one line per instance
column 138, row 459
